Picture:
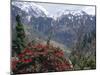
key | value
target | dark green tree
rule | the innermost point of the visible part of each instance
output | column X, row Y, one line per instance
column 20, row 38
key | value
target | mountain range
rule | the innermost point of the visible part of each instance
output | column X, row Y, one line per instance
column 64, row 28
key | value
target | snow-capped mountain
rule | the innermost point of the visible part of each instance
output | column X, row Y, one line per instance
column 65, row 25
column 69, row 13
column 31, row 8
column 72, row 12
column 27, row 11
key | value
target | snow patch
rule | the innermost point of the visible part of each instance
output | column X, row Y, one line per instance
column 27, row 7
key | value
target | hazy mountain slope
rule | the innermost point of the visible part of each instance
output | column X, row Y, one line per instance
column 65, row 29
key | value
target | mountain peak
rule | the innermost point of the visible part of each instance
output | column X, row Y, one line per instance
column 32, row 8
column 72, row 12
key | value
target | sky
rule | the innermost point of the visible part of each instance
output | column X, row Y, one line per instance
column 53, row 9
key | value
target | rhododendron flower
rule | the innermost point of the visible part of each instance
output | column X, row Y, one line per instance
column 26, row 50
column 59, row 54
column 29, row 52
column 26, row 60
column 48, row 57
column 21, row 55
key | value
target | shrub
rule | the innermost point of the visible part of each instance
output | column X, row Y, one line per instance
column 40, row 58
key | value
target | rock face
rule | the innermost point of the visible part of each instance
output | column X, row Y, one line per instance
column 64, row 29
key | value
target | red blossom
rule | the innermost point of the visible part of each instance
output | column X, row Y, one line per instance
column 25, row 50
column 29, row 52
column 21, row 55
column 59, row 54
column 51, row 54
column 26, row 60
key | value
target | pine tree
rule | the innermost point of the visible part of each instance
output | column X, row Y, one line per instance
column 20, row 38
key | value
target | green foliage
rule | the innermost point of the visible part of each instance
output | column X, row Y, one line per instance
column 83, row 55
column 91, row 62
column 19, row 43
column 83, row 62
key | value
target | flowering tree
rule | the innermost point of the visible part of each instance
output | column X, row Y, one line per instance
column 40, row 58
